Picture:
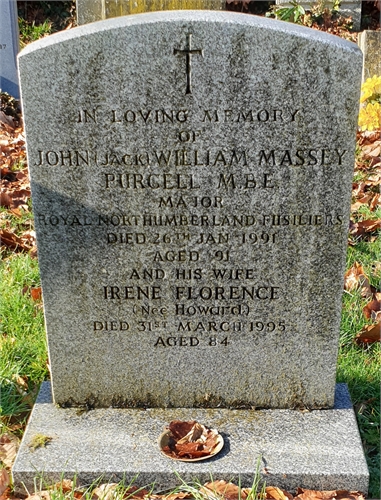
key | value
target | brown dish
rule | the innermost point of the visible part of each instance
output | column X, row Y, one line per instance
column 190, row 441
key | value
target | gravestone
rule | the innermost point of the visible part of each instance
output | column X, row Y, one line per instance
column 352, row 8
column 370, row 43
column 89, row 11
column 9, row 47
column 191, row 200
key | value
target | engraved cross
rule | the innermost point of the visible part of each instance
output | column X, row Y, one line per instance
column 188, row 51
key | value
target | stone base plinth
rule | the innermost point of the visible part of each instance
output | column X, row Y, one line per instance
column 320, row 449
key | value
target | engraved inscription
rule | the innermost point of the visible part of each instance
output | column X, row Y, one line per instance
column 319, row 157
column 184, row 224
column 244, row 116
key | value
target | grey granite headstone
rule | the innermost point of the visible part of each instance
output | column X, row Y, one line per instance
column 9, row 47
column 352, row 8
column 370, row 44
column 191, row 200
column 191, row 178
column 89, row 11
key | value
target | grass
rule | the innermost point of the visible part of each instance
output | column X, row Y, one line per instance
column 124, row 490
column 257, row 490
column 41, row 18
column 33, row 32
column 360, row 366
column 20, row 220
column 23, row 354
column 353, row 318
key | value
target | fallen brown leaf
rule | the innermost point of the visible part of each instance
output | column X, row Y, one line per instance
column 23, row 243
column 113, row 491
column 10, row 239
column 105, row 491
column 5, row 200
column 134, row 492
column 17, row 197
column 366, row 197
column 6, row 120
column 355, row 277
column 315, row 495
column 41, row 495
column 179, row 428
column 370, row 225
column 4, row 480
column 274, row 493
column 8, row 451
column 375, row 162
column 222, row 489
column 328, row 495
column 376, row 316
column 16, row 211
column 28, row 236
column 375, row 201
column 36, row 293
column 191, row 450
column 357, row 188
column 7, row 174
column 372, row 149
column 356, row 206
column 373, row 306
column 190, row 440
column 359, row 229
column 369, row 334
column 193, row 435
column 65, row 486
column 368, row 137
column 349, row 495
column 181, row 495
